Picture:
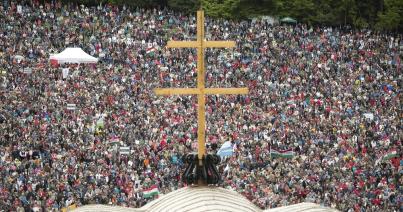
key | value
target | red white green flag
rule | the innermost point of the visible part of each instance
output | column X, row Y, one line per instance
column 150, row 50
column 387, row 156
column 150, row 192
column 282, row 153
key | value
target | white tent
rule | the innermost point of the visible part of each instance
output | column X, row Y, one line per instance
column 73, row 55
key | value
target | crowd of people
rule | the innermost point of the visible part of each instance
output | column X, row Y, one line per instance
column 332, row 95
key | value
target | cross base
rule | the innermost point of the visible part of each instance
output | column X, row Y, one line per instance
column 201, row 171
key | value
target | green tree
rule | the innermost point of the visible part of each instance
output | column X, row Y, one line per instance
column 253, row 8
column 330, row 12
column 220, row 8
column 391, row 18
column 185, row 6
column 304, row 10
column 348, row 11
column 382, row 14
column 284, row 8
column 136, row 3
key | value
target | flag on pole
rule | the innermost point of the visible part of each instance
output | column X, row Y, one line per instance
column 282, row 153
column 226, row 150
column 387, row 156
column 150, row 192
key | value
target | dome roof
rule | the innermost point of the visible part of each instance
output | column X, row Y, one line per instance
column 203, row 199
column 305, row 207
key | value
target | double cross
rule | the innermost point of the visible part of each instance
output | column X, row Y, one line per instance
column 201, row 91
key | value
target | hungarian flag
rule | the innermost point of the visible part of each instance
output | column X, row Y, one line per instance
column 150, row 51
column 150, row 192
column 282, row 153
column 387, row 156
column 114, row 140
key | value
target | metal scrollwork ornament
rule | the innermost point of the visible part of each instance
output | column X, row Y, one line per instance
column 205, row 171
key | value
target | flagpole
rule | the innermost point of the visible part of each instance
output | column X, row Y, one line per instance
column 270, row 151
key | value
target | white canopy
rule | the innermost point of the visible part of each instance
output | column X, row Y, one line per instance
column 73, row 55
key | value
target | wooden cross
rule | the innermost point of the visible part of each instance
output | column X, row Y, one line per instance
column 200, row 91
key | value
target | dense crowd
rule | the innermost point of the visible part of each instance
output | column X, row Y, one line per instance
column 332, row 95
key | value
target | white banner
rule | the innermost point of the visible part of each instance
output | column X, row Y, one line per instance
column 65, row 73
column 124, row 150
column 19, row 9
column 71, row 106
column 369, row 116
column 27, row 71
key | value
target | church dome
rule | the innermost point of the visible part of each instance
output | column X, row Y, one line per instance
column 202, row 199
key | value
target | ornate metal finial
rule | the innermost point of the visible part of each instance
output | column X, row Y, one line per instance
column 205, row 171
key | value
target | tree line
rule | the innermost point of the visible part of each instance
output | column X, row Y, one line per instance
column 382, row 15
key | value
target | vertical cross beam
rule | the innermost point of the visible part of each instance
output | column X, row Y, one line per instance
column 201, row 100
column 200, row 44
